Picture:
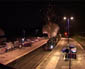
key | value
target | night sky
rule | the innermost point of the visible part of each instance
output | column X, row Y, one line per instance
column 27, row 15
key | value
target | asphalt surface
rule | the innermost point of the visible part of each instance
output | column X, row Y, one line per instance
column 31, row 60
column 40, row 59
column 56, row 58
column 12, row 55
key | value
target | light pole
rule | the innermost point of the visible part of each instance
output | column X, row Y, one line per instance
column 68, row 22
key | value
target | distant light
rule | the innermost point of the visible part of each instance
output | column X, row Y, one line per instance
column 71, row 18
column 23, row 39
column 65, row 33
column 64, row 18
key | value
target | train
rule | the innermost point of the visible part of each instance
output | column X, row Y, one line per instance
column 51, row 43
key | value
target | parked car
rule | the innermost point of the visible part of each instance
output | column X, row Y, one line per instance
column 27, row 44
column 9, row 45
column 2, row 50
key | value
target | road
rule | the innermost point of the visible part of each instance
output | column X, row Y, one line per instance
column 56, row 60
column 10, row 56
column 75, row 64
column 40, row 59
column 31, row 60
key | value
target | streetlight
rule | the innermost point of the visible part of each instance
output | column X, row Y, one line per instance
column 68, row 21
column 64, row 18
column 71, row 18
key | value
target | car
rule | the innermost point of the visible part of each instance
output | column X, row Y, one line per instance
column 73, row 49
column 9, row 46
column 2, row 50
column 51, row 43
column 69, row 55
column 69, row 52
column 49, row 47
column 27, row 44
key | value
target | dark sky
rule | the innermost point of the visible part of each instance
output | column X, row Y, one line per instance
column 19, row 15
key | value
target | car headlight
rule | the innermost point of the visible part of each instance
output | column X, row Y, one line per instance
column 51, row 46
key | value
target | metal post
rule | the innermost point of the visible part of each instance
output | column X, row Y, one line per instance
column 68, row 29
column 68, row 43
